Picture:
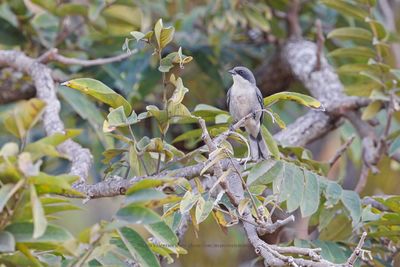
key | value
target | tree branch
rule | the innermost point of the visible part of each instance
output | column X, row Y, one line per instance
column 81, row 158
column 53, row 55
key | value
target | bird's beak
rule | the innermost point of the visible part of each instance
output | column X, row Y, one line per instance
column 231, row 71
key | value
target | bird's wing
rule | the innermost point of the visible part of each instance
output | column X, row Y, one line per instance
column 261, row 102
column 228, row 98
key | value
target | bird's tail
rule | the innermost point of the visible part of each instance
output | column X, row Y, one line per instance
column 258, row 147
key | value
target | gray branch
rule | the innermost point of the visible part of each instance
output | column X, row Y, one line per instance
column 81, row 158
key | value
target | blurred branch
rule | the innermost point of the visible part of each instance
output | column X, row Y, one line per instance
column 53, row 55
column 292, row 19
column 320, row 42
column 371, row 148
column 341, row 150
column 357, row 251
column 9, row 94
column 374, row 203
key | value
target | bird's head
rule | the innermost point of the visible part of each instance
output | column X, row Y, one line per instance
column 244, row 73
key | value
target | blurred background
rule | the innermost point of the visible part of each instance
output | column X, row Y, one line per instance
column 218, row 34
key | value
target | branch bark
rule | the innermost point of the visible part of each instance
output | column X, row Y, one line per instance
column 53, row 55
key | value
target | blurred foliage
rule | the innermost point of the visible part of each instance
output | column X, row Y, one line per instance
column 140, row 116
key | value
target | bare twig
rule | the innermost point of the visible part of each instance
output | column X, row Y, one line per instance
column 53, row 55
column 320, row 43
column 341, row 150
column 357, row 251
column 217, row 167
column 292, row 19
column 270, row 228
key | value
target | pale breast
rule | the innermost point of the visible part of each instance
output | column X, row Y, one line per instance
column 242, row 102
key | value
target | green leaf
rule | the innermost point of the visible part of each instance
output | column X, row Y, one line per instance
column 362, row 89
column 193, row 134
column 134, row 159
column 7, row 191
column 278, row 120
column 39, row 219
column 352, row 202
column 396, row 72
column 394, row 147
column 257, row 19
column 117, row 118
column 137, row 35
column 56, row 184
column 137, row 214
column 24, row 116
column 99, row 91
column 163, row 35
column 289, row 185
column 23, row 233
column 305, row 100
column 369, row 216
column 10, row 34
column 353, row 52
column 46, row 146
column 378, row 29
column 370, row 3
column 169, row 60
column 145, row 195
column 87, row 110
column 352, row 33
column 333, row 193
column 346, row 8
column 9, row 149
column 175, row 108
column 163, row 233
column 352, row 68
column 331, row 251
column 270, row 141
column 110, row 154
column 161, row 116
column 264, row 172
column 7, row 242
column 371, row 110
column 295, row 193
column 309, row 204
column 46, row 4
column 138, row 248
column 203, row 209
column 338, row 228
column 188, row 202
column 70, row 9
column 146, row 183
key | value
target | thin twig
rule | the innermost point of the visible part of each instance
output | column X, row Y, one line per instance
column 341, row 150
column 357, row 251
column 320, row 43
column 292, row 19
column 53, row 55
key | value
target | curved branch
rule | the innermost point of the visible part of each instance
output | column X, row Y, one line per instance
column 53, row 55
column 81, row 158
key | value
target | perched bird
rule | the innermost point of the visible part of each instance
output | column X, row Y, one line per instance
column 244, row 98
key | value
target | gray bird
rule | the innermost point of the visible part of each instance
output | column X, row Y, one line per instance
column 244, row 98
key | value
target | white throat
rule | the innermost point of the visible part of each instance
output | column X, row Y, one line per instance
column 239, row 83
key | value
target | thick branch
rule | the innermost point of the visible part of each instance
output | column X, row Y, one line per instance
column 80, row 158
